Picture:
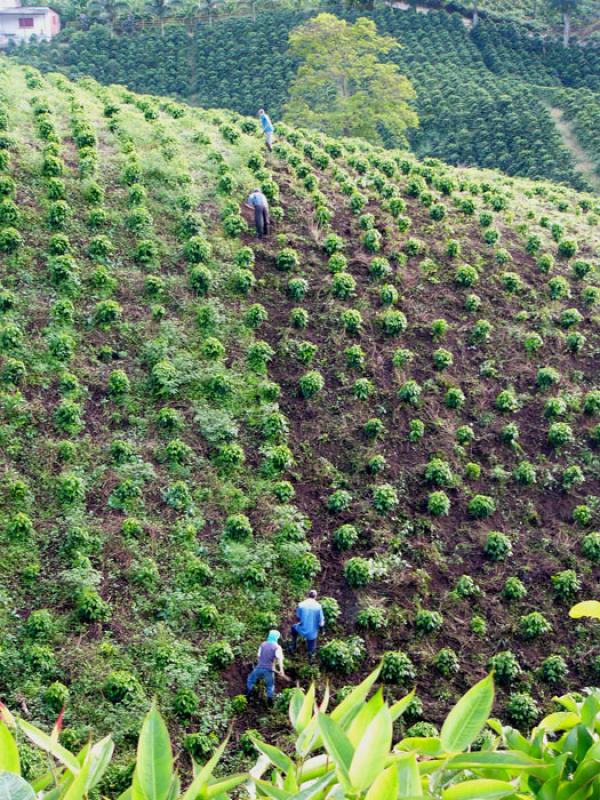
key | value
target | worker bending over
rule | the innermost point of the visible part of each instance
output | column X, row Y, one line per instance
column 270, row 661
column 260, row 204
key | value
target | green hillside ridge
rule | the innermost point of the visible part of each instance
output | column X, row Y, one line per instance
column 393, row 398
column 481, row 95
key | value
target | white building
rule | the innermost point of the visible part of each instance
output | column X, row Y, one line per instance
column 19, row 23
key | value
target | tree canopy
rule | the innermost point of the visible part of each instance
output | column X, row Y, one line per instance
column 341, row 86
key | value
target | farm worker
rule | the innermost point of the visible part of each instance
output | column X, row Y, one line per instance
column 260, row 204
column 310, row 620
column 267, row 127
column 270, row 660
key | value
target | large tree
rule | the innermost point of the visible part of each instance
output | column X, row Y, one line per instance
column 566, row 8
column 342, row 88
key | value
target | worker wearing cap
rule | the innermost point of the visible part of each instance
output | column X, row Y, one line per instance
column 270, row 661
column 310, row 621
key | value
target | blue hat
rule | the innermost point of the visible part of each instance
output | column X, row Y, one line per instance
column 273, row 636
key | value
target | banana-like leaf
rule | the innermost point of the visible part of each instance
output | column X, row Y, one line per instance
column 588, row 608
column 467, row 718
column 295, row 705
column 559, row 721
column 361, row 721
column 100, row 756
column 9, row 752
column 497, row 759
column 425, row 745
column 409, row 777
column 154, row 767
column 315, row 767
column 400, row 707
column 78, row 788
column 268, row 790
column 225, row 785
column 6, row 717
column 204, row 775
column 44, row 742
column 480, row 789
column 13, row 787
column 385, row 786
column 372, row 751
column 274, row 754
column 338, row 746
column 306, row 710
column 350, row 704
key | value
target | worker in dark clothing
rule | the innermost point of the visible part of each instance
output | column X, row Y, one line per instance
column 310, row 621
column 260, row 204
column 270, row 661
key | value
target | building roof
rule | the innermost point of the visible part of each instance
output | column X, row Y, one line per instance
column 30, row 10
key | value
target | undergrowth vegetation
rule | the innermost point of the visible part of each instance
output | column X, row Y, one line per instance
column 391, row 398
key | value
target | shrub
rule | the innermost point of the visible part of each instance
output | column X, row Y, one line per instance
column 498, row 546
column 554, row 669
column 343, row 657
column 19, row 527
column 442, row 359
column 534, row 625
column 506, row 667
column 287, row 259
column 372, row 240
column 514, row 590
column 466, row 275
column 297, row 288
column 186, row 703
column 547, row 377
column 428, row 621
column 220, row 655
column 10, row 240
column 339, row 501
column 351, row 320
column 567, row 248
column 333, row 243
column 466, row 587
column 121, row 686
column 410, row 392
column 439, row 473
column 591, row 403
column 372, row 618
column 385, row 498
column 397, row 669
column 572, row 476
column 438, row 504
column 566, row 585
column 237, row 527
column 358, row 572
column 560, row 434
column 311, row 383
column 343, row 286
column 465, row 435
column 379, row 268
column 507, row 401
column 481, row 506
column 522, row 710
column 570, row 317
column 590, row 547
column 331, row 610
column 197, row 250
column 454, row 398
column 345, row 537
column 525, row 473
column 392, row 322
column 91, row 607
column 446, row 662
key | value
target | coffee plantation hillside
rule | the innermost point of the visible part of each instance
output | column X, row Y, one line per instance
column 393, row 398
column 484, row 96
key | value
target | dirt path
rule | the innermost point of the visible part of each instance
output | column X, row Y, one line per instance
column 583, row 162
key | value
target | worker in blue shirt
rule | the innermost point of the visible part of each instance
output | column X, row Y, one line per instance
column 267, row 127
column 260, row 204
column 310, row 620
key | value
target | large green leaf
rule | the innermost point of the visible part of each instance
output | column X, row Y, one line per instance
column 225, row 785
column 385, row 786
column 400, row 707
column 154, row 768
column 348, row 706
column 204, row 775
column 45, row 742
column 13, row 787
column 9, row 753
column 274, row 754
column 306, row 711
column 372, row 751
column 481, row 789
column 316, row 788
column 466, row 719
column 362, row 720
column 425, row 745
column 495, row 759
column 587, row 608
column 275, row 792
column 338, row 746
column 78, row 787
column 409, row 778
column 559, row 721
column 100, row 757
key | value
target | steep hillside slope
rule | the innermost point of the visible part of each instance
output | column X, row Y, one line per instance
column 393, row 397
column 478, row 92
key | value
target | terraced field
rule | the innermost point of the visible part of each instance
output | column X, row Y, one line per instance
column 394, row 397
